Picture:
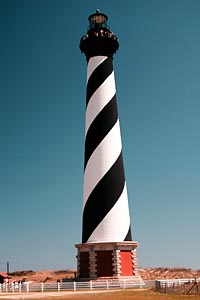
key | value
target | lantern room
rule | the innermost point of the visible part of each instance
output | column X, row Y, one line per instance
column 98, row 20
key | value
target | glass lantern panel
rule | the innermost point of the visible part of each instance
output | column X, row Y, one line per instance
column 98, row 19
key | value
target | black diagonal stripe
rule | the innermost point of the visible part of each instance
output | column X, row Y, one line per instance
column 128, row 236
column 103, row 198
column 100, row 127
column 98, row 76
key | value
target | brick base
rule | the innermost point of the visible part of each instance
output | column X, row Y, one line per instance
column 110, row 260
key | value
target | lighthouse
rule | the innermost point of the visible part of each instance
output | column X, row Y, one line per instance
column 107, row 249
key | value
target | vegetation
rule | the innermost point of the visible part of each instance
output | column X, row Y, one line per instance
column 63, row 271
column 22, row 273
column 145, row 273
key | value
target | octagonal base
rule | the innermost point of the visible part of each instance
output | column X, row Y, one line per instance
column 107, row 260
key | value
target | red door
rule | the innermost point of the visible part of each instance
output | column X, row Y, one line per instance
column 126, row 263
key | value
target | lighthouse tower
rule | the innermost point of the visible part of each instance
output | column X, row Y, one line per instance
column 107, row 249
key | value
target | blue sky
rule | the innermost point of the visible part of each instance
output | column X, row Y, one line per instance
column 42, row 115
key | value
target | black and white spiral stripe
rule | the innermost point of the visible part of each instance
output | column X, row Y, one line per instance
column 106, row 215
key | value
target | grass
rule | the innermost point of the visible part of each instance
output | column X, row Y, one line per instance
column 132, row 295
column 112, row 295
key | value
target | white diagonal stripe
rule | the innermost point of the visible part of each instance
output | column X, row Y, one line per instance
column 115, row 225
column 93, row 64
column 102, row 159
column 99, row 99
